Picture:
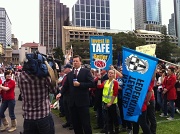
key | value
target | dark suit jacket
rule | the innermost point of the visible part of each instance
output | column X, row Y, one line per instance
column 79, row 95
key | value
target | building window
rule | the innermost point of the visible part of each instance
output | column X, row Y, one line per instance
column 107, row 3
column 97, row 3
column 102, row 16
column 102, row 23
column 78, row 22
column 107, row 10
column 93, row 23
column 102, row 10
column 81, row 1
column 87, row 8
column 87, row 22
column 92, row 9
column 77, row 8
column 102, row 3
column 98, row 16
column 98, row 23
column 82, row 22
column 83, row 15
column 87, row 15
column 82, row 8
column 87, row 2
column 107, row 17
column 97, row 9
column 77, row 14
column 108, row 24
column 93, row 2
column 92, row 15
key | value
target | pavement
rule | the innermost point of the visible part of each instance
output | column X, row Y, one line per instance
column 18, row 112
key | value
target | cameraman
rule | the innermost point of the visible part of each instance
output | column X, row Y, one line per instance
column 35, row 103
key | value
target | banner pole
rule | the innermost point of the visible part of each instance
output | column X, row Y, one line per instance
column 168, row 62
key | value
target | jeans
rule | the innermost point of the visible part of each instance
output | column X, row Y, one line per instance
column 10, row 104
column 165, row 108
column 160, row 99
column 39, row 126
column 172, row 108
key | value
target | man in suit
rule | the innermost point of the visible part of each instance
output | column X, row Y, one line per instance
column 78, row 81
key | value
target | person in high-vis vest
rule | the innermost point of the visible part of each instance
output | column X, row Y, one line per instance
column 109, row 100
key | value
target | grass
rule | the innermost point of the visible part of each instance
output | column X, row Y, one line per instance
column 163, row 125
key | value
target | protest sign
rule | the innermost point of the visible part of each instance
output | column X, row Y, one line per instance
column 101, row 52
column 138, row 69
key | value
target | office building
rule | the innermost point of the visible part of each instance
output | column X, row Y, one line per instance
column 148, row 15
column 5, row 28
column 171, row 26
column 91, row 13
column 177, row 19
column 53, row 15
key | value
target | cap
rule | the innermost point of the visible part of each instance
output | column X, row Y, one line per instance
column 67, row 66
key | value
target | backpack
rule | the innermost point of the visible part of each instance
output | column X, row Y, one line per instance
column 34, row 64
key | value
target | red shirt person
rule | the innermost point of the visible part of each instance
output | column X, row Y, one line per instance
column 8, row 101
column 169, row 88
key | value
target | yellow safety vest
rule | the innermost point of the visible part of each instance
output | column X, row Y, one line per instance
column 108, row 92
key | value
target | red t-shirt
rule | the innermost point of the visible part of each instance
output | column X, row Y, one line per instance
column 144, row 107
column 151, row 89
column 8, row 95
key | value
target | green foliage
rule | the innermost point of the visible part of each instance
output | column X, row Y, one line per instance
column 80, row 48
column 58, row 54
column 164, row 49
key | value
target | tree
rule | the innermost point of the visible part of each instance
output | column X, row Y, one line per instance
column 80, row 48
column 58, row 54
column 164, row 49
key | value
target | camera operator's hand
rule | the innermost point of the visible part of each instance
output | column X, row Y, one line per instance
column 58, row 96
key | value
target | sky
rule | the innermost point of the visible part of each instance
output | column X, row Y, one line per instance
column 24, row 16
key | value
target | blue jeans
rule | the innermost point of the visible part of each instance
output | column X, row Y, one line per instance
column 39, row 126
column 10, row 104
column 172, row 108
column 160, row 99
column 165, row 108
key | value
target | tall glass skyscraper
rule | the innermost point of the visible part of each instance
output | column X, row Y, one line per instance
column 177, row 19
column 91, row 13
column 147, row 14
column 5, row 28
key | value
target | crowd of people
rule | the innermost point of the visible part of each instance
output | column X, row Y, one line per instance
column 78, row 89
column 105, row 95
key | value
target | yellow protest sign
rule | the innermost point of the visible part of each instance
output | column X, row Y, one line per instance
column 147, row 49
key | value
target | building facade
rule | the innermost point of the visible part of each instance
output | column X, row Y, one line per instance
column 71, row 34
column 171, row 26
column 29, row 48
column 91, row 13
column 177, row 19
column 5, row 28
column 148, row 15
column 53, row 15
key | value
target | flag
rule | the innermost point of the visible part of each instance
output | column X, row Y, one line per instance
column 118, row 62
column 138, row 69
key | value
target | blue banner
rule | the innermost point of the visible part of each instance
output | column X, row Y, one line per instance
column 100, row 52
column 138, row 69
